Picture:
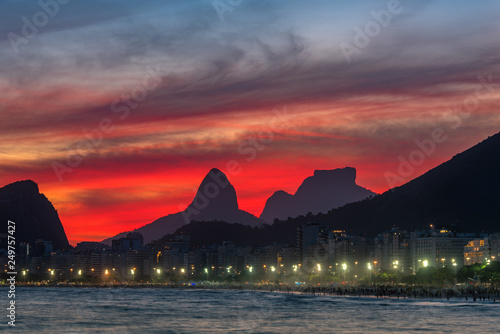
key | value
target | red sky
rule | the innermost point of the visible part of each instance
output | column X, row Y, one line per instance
column 164, row 101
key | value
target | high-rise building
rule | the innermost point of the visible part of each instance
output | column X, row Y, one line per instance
column 312, row 242
column 440, row 248
column 393, row 251
column 133, row 241
column 482, row 250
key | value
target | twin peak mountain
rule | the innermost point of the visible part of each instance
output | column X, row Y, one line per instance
column 461, row 193
column 216, row 200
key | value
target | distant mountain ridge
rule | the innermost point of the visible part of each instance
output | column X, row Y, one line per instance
column 33, row 214
column 463, row 192
column 325, row 190
column 215, row 200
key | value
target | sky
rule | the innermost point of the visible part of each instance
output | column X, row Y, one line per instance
column 118, row 109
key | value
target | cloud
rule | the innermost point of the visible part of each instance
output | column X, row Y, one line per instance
column 221, row 81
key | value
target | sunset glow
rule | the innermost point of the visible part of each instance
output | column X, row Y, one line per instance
column 118, row 136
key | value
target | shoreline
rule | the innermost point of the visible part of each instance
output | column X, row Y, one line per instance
column 473, row 294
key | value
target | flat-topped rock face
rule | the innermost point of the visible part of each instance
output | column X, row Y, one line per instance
column 325, row 190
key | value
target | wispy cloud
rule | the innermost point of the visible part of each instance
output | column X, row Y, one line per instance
column 220, row 81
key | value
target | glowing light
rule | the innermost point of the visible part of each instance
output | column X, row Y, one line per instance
column 426, row 263
column 273, row 269
column 158, row 271
column 106, row 272
column 251, row 269
column 80, row 272
column 344, row 266
column 205, row 270
column 369, row 265
column 319, row 267
column 183, row 271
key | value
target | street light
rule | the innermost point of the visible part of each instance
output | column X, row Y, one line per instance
column 319, row 267
column 344, row 267
column 395, row 265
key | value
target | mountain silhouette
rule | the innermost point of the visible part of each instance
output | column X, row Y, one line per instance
column 215, row 195
column 33, row 214
column 325, row 190
column 215, row 200
column 462, row 193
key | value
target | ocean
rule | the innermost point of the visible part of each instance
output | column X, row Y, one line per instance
column 150, row 310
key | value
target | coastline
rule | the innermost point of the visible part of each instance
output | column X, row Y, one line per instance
column 473, row 294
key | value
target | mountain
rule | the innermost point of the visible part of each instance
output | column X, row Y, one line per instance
column 33, row 214
column 463, row 193
column 325, row 190
column 215, row 200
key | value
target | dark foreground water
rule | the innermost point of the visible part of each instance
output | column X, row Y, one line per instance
column 99, row 310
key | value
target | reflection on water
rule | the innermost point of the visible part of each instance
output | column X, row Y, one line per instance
column 120, row 310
